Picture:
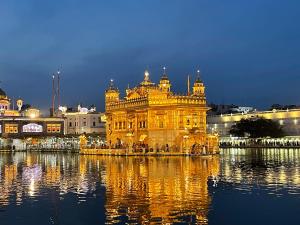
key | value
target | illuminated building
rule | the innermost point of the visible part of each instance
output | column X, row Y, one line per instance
column 288, row 119
column 5, row 105
column 84, row 120
column 26, row 122
column 153, row 115
column 227, row 109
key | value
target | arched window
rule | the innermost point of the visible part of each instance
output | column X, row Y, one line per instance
column 188, row 122
column 32, row 128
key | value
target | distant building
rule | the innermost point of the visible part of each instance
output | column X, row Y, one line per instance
column 19, row 123
column 283, row 107
column 228, row 109
column 289, row 119
column 84, row 120
column 242, row 109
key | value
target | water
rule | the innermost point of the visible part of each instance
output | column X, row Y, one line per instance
column 238, row 187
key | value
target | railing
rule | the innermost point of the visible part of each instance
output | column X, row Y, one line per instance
column 260, row 143
column 57, row 147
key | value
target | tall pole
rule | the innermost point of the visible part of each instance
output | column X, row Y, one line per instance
column 188, row 85
column 53, row 95
column 58, row 88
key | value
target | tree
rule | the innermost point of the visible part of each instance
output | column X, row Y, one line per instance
column 25, row 106
column 257, row 128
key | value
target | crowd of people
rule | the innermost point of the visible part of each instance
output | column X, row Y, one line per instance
column 141, row 147
column 261, row 143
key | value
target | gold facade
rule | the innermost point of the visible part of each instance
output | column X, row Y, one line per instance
column 154, row 116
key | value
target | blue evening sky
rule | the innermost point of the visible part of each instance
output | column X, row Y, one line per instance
column 248, row 51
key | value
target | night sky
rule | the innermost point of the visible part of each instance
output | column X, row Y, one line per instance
column 247, row 51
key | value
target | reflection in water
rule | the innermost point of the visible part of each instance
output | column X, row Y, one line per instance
column 158, row 189
column 141, row 190
column 272, row 170
column 25, row 175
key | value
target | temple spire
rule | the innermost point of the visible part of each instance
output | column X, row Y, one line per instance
column 198, row 78
column 164, row 69
column 146, row 81
column 146, row 75
column 111, row 83
column 164, row 76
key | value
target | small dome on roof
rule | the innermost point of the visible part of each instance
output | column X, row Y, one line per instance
column 111, row 86
column 2, row 93
column 164, row 77
column 198, row 79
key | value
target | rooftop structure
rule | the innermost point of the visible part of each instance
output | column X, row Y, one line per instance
column 289, row 119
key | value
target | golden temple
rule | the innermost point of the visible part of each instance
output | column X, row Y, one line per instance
column 153, row 117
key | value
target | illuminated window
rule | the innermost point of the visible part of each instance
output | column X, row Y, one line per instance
column 53, row 128
column 11, row 128
column 32, row 128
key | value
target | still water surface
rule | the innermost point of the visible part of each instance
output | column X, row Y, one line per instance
column 238, row 187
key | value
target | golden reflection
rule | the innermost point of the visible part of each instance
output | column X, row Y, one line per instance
column 10, row 175
column 147, row 190
column 24, row 174
column 151, row 190
column 52, row 174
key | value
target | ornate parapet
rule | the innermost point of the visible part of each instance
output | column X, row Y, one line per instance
column 125, row 104
column 146, row 101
